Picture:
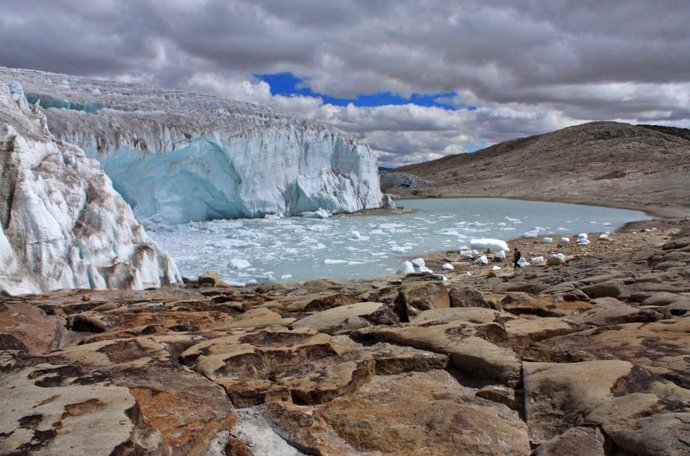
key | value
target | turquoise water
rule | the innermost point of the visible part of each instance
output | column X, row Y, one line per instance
column 350, row 247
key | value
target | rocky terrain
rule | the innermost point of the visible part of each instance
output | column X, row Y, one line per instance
column 602, row 163
column 589, row 356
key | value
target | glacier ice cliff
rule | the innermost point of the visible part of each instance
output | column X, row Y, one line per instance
column 62, row 225
column 177, row 156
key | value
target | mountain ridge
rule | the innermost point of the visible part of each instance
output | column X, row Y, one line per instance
column 644, row 167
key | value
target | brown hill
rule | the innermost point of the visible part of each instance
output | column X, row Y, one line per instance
column 643, row 167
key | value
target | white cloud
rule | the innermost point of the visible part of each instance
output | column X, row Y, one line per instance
column 529, row 67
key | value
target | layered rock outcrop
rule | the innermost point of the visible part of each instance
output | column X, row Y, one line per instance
column 323, row 368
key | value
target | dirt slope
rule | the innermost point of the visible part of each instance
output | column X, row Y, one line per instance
column 603, row 163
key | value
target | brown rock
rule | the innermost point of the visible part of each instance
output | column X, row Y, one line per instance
column 432, row 414
column 610, row 311
column 578, row 441
column 426, row 295
column 660, row 347
column 346, row 318
column 602, row 290
column 467, row 297
column 641, row 412
column 502, row 395
column 25, row 327
column 558, row 396
column 46, row 418
column 186, row 409
column 393, row 359
column 478, row 350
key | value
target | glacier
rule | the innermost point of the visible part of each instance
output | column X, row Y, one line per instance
column 177, row 157
column 62, row 225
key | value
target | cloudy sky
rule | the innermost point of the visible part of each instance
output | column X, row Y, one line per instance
column 416, row 79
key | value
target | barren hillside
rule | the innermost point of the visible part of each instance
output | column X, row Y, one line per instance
column 605, row 163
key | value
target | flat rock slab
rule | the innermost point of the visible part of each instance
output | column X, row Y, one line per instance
column 476, row 315
column 393, row 359
column 478, row 350
column 303, row 364
column 621, row 398
column 186, row 409
column 90, row 419
column 611, row 311
column 661, row 347
column 425, row 413
column 343, row 319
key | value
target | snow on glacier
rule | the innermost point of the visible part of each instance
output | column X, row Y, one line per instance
column 62, row 224
column 177, row 157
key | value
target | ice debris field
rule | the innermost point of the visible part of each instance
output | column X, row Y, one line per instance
column 246, row 251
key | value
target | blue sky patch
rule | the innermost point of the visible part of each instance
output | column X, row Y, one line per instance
column 288, row 84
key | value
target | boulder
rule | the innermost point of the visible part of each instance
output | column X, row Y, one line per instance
column 426, row 295
column 467, row 297
column 26, row 327
column 603, row 290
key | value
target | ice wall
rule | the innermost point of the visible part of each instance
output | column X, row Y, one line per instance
column 62, row 224
column 178, row 156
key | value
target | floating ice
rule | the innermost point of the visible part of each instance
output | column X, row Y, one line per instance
column 356, row 236
column 531, row 234
column 320, row 213
column 487, row 243
column 418, row 262
column 331, row 261
column 239, row 264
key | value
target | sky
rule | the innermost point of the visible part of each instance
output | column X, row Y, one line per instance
column 415, row 79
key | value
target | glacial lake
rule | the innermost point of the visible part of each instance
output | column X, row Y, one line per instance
column 345, row 247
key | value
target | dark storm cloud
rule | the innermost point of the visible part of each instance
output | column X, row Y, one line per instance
column 530, row 65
